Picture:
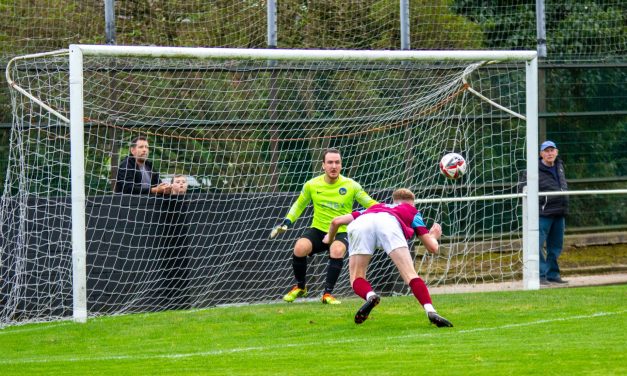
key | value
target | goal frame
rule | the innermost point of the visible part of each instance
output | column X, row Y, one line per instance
column 78, row 199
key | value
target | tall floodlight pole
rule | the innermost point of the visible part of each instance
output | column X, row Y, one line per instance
column 542, row 53
column 541, row 28
column 109, row 21
column 272, row 28
column 273, row 93
column 404, row 24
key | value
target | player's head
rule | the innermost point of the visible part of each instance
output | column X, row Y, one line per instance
column 403, row 195
column 332, row 163
column 139, row 148
column 179, row 184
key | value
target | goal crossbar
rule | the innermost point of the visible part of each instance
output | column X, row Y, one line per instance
column 295, row 54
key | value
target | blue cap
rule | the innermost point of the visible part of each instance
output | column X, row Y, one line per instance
column 547, row 144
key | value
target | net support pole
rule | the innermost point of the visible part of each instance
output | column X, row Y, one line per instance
column 109, row 9
column 404, row 4
column 272, row 27
column 541, row 28
column 77, row 161
column 531, row 237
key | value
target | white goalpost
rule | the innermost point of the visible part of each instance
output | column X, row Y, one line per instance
column 247, row 127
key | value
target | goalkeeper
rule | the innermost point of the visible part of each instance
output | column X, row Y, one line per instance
column 332, row 195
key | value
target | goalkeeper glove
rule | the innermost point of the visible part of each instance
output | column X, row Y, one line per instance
column 280, row 228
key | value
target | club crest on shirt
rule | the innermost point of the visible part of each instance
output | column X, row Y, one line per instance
column 342, row 191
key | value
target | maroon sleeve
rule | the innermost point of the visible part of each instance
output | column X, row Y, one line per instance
column 420, row 230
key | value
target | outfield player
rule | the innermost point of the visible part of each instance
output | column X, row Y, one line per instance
column 332, row 195
column 388, row 227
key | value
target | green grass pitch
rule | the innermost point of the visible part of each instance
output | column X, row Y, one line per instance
column 567, row 331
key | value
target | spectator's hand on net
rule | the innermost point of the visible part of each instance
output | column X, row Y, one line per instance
column 162, row 188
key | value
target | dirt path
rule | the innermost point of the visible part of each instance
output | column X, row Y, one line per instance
column 573, row 281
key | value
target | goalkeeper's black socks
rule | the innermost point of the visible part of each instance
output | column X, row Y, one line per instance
column 333, row 273
column 299, row 264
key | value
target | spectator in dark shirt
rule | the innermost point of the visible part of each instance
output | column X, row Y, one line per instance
column 135, row 174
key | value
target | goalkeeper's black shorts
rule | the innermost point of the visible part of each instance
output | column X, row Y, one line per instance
column 315, row 236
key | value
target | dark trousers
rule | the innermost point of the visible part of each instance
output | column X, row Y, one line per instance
column 551, row 232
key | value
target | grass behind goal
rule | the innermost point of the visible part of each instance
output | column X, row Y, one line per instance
column 568, row 331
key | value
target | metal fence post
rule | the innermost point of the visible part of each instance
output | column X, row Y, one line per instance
column 404, row 24
column 109, row 10
column 272, row 27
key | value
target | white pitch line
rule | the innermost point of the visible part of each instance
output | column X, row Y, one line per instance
column 35, row 328
column 300, row 344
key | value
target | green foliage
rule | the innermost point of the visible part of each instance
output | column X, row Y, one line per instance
column 372, row 24
column 5, row 108
column 430, row 28
column 588, row 28
column 37, row 26
column 230, row 23
column 4, row 152
column 574, row 28
column 504, row 27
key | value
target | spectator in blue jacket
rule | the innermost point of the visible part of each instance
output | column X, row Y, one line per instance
column 553, row 210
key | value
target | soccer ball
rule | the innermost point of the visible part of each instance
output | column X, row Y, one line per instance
column 453, row 166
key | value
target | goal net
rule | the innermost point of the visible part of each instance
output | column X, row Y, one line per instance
column 247, row 129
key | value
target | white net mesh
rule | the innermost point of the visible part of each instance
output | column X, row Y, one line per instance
column 248, row 134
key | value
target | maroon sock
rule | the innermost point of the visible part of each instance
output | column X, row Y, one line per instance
column 420, row 291
column 361, row 287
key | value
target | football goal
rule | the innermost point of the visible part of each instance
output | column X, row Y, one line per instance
column 248, row 128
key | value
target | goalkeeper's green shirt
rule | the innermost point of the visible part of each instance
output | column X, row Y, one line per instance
column 329, row 200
